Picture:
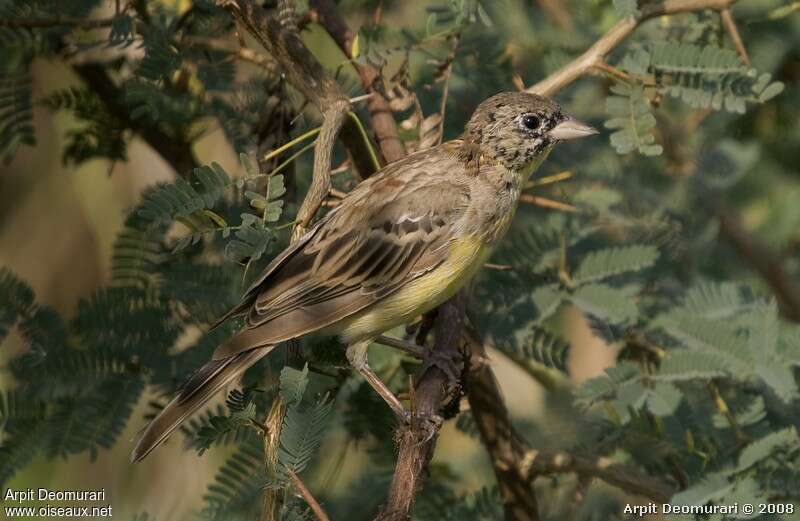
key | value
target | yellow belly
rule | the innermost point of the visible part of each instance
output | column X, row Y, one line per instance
column 418, row 296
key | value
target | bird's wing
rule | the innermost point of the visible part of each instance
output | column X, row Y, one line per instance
column 358, row 255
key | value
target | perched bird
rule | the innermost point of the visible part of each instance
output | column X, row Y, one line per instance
column 401, row 243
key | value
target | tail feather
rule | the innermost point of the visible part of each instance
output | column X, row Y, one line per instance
column 200, row 387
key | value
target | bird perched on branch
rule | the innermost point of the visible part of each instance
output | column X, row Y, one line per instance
column 398, row 245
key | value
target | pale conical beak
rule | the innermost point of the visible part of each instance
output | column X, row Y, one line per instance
column 571, row 129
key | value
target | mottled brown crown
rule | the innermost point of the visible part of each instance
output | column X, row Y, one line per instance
column 496, row 129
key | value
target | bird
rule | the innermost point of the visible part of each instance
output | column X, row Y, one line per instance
column 399, row 244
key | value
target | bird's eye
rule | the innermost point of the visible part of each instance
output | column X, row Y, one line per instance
column 530, row 121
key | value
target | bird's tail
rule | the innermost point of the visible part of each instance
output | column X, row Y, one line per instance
column 201, row 386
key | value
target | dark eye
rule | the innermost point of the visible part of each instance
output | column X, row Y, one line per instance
column 530, row 121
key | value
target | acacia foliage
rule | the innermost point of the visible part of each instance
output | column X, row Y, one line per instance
column 704, row 394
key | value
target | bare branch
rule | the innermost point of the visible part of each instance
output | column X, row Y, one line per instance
column 323, row 151
column 176, row 152
column 504, row 445
column 595, row 55
column 308, row 496
column 517, row 466
column 55, row 21
column 417, row 439
column 544, row 202
column 403, row 345
column 326, row 14
column 540, row 463
column 763, row 260
column 733, row 31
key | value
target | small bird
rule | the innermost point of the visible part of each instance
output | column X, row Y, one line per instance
column 401, row 243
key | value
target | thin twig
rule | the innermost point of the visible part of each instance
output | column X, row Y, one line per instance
column 540, row 463
column 327, row 15
column 556, row 10
column 504, row 446
column 446, row 75
column 544, row 202
column 763, row 260
column 307, row 496
column 596, row 54
column 55, row 21
column 403, row 345
column 730, row 25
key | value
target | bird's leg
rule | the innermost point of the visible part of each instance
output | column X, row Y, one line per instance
column 357, row 356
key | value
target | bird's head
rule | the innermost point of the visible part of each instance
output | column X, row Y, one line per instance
column 519, row 129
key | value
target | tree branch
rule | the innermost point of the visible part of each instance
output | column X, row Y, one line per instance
column 595, row 55
column 43, row 23
column 763, row 260
column 417, row 439
column 733, row 31
column 308, row 496
column 178, row 153
column 516, row 465
column 505, row 447
column 540, row 463
column 326, row 14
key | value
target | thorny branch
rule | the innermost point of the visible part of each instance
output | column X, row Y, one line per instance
column 595, row 55
column 417, row 440
column 326, row 14
column 308, row 76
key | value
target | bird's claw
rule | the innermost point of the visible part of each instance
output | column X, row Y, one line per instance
column 427, row 424
column 443, row 362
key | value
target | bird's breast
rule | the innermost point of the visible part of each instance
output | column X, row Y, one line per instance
column 421, row 294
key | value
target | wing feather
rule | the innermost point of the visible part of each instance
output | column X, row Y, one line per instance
column 342, row 269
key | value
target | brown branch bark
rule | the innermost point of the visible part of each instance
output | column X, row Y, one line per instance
column 308, row 76
column 540, row 463
column 417, row 440
column 730, row 26
column 42, row 23
column 178, row 153
column 326, row 14
column 308, row 497
column 516, row 465
column 763, row 260
column 505, row 447
column 594, row 55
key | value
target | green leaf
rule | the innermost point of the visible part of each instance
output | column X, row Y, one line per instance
column 684, row 364
column 664, row 399
column 601, row 264
column 713, row 486
column 606, row 303
column 626, row 8
column 632, row 120
column 709, row 76
column 713, row 300
column 301, row 436
column 768, row 446
column 293, row 384
column 16, row 300
column 779, row 378
column 547, row 299
column 16, row 113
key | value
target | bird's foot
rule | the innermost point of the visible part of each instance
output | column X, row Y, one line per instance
column 445, row 363
column 426, row 425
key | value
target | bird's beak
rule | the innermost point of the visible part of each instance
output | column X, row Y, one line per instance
column 571, row 128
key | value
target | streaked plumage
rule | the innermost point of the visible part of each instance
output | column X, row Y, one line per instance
column 398, row 245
